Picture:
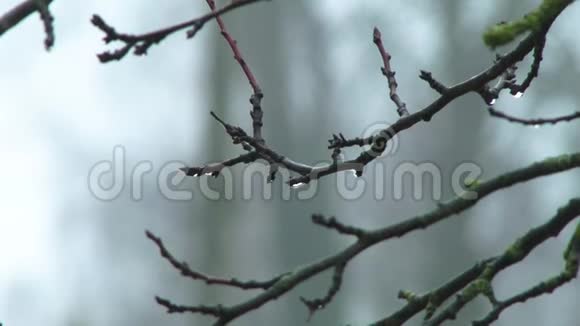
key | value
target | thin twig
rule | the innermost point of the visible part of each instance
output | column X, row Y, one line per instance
column 533, row 122
column 505, row 81
column 519, row 90
column 216, row 311
column 315, row 305
column 332, row 223
column 256, row 98
column 186, row 271
column 390, row 74
column 215, row 169
column 433, row 83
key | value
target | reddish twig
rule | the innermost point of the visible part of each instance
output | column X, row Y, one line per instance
column 256, row 98
column 390, row 74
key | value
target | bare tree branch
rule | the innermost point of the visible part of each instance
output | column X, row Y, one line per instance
column 141, row 43
column 319, row 304
column 519, row 90
column 473, row 84
column 514, row 254
column 378, row 142
column 390, row 74
column 572, row 259
column 445, row 210
column 467, row 286
column 256, row 98
column 533, row 122
column 333, row 224
column 429, row 300
column 186, row 271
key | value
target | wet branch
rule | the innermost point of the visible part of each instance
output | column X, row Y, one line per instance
column 533, row 122
column 513, row 255
column 444, row 211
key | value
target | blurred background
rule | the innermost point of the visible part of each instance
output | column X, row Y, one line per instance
column 69, row 258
